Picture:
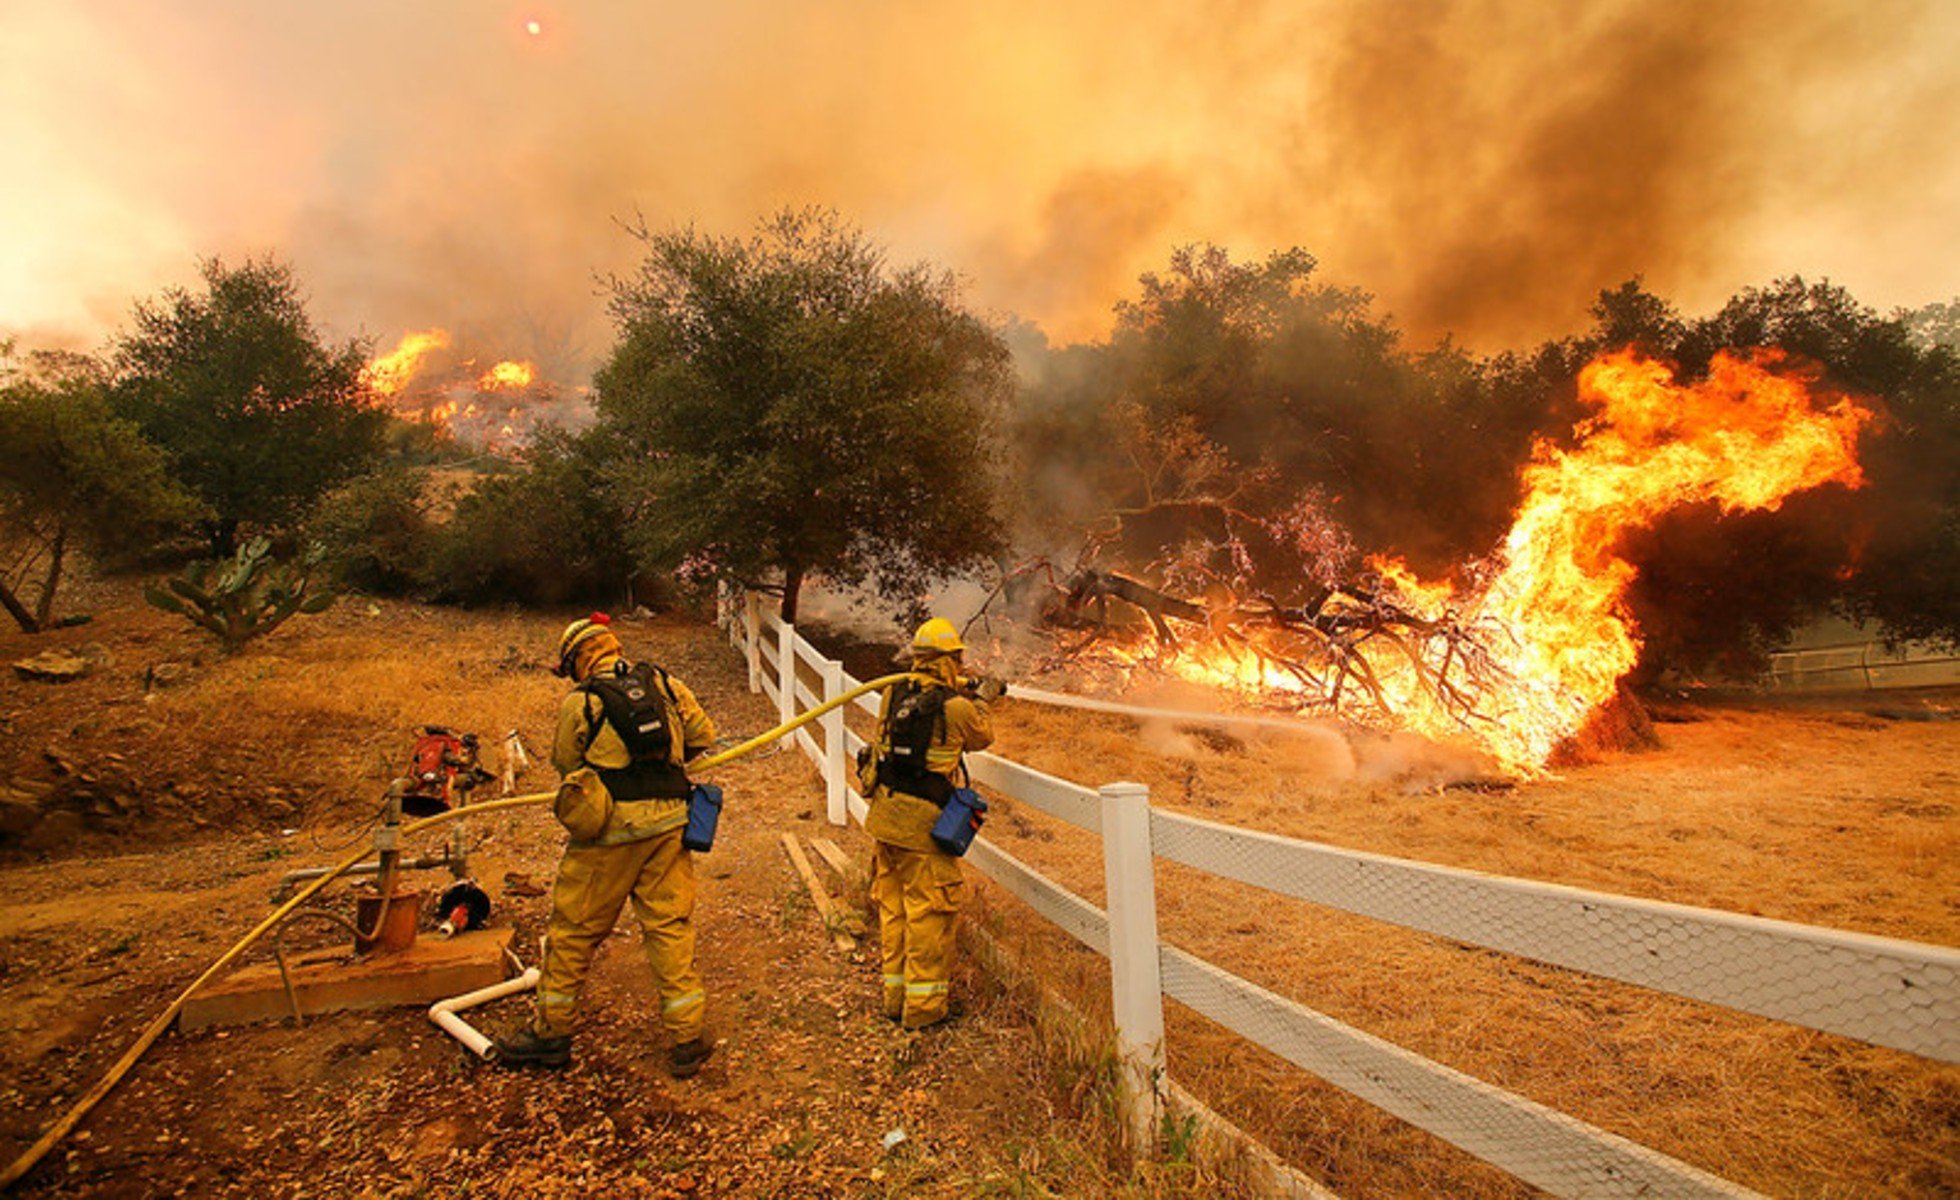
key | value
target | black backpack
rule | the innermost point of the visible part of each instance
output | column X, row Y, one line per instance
column 640, row 704
column 918, row 718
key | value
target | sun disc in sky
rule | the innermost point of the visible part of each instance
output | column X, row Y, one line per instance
column 534, row 28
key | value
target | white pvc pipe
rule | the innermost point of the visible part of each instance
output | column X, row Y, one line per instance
column 443, row 1012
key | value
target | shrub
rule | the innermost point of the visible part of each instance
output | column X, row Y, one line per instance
column 375, row 533
column 546, row 536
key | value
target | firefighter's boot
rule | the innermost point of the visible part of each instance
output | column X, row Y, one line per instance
column 526, row 1048
column 685, row 1059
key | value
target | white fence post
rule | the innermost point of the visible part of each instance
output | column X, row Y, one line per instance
column 752, row 639
column 833, row 744
column 785, row 673
column 1136, row 989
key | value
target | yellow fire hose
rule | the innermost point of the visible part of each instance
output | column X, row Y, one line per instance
column 73, row 1117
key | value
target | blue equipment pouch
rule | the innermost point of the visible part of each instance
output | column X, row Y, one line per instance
column 703, row 811
column 958, row 821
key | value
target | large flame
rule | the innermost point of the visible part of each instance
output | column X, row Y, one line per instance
column 392, row 372
column 1551, row 619
column 1745, row 438
column 507, row 375
column 444, row 391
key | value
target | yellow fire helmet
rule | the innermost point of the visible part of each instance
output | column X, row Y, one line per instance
column 577, row 634
column 936, row 637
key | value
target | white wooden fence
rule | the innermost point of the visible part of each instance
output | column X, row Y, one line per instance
column 1867, row 664
column 1893, row 993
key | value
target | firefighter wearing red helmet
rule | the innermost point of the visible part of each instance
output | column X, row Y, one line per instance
column 624, row 733
column 923, row 730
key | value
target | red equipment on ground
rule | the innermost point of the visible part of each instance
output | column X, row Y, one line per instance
column 442, row 763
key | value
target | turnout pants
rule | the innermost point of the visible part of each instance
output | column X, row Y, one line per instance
column 594, row 883
column 918, row 897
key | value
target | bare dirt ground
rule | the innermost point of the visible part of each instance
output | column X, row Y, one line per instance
column 172, row 813
column 166, row 814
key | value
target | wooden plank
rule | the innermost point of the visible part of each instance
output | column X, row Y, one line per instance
column 325, row 981
column 832, row 920
column 833, row 857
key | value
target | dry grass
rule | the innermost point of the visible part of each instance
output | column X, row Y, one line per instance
column 1816, row 815
column 1810, row 815
column 810, row 1077
column 304, row 726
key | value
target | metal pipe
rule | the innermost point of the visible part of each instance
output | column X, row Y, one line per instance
column 426, row 862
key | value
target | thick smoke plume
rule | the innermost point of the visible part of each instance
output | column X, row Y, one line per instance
column 1484, row 167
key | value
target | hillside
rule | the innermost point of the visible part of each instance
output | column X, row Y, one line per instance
column 177, row 810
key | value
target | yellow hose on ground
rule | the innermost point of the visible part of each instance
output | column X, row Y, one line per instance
column 73, row 1117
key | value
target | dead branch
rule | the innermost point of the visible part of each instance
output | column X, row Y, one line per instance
column 1333, row 644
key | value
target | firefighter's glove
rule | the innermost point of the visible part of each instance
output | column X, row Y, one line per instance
column 989, row 688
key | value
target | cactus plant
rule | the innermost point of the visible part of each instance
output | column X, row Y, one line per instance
column 239, row 600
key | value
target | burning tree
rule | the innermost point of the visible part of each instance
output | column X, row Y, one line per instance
column 1540, row 638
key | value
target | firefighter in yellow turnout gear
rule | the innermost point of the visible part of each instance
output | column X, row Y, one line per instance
column 624, row 732
column 923, row 729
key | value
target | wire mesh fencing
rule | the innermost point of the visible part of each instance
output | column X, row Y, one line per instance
column 1893, row 993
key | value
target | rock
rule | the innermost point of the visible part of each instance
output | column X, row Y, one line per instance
column 58, row 830
column 27, row 791
column 518, row 884
column 166, row 674
column 96, row 802
column 17, row 817
column 53, row 666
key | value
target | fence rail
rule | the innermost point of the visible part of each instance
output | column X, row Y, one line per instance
column 1894, row 993
column 1866, row 665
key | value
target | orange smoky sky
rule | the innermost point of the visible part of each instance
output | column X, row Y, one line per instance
column 1483, row 167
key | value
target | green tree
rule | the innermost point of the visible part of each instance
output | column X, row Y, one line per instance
column 789, row 404
column 548, row 534
column 73, row 475
column 259, row 416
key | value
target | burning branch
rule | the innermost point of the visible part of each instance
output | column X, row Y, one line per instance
column 1526, row 659
column 1325, row 654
